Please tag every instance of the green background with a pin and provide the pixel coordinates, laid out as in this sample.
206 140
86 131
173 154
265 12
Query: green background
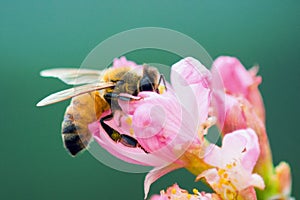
35 35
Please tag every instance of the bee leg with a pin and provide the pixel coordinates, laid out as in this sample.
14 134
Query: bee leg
119 116
111 96
126 140
129 141
113 134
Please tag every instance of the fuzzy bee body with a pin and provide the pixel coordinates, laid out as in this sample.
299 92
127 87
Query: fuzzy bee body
88 104
83 110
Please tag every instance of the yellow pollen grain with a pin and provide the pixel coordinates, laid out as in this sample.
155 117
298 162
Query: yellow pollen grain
129 121
225 175
195 191
229 166
161 89
131 131
221 172
223 181
173 191
115 136
230 194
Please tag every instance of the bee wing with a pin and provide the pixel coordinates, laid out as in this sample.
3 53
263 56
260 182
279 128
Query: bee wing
72 92
74 76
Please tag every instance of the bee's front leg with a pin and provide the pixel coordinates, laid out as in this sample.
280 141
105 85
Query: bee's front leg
111 96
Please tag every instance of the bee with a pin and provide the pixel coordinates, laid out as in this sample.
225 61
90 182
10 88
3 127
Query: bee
100 92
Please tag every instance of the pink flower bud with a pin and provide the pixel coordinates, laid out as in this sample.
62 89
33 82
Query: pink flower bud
239 82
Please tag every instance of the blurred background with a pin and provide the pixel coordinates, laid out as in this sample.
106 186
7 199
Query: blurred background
35 35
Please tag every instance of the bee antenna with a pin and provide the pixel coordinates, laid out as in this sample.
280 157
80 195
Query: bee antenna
162 79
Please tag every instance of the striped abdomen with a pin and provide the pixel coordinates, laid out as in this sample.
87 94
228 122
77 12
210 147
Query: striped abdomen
83 110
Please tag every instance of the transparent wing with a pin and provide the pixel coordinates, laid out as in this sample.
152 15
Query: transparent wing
72 92
74 76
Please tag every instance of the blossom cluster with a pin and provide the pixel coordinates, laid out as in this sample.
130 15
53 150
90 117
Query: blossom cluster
172 126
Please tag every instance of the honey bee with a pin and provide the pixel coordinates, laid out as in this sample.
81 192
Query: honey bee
100 92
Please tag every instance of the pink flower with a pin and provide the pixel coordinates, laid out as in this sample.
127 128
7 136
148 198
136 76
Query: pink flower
175 193
123 62
233 164
238 106
165 125
239 82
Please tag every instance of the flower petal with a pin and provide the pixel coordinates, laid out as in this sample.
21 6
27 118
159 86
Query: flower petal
247 194
161 125
236 78
252 152
190 80
127 154
283 173
156 173
257 181
123 62
210 175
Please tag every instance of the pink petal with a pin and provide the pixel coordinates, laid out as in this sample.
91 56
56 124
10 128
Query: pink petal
159 197
123 62
235 77
155 174
252 152
191 71
237 81
214 155
210 175
247 194
234 143
257 181
229 112
127 154
161 124
190 80
155 121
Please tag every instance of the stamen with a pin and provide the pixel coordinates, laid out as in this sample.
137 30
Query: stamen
195 191
173 191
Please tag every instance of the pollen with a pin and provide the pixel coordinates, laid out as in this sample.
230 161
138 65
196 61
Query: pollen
226 189
195 191
189 196
225 175
161 89
221 172
129 121
115 136
173 191
131 131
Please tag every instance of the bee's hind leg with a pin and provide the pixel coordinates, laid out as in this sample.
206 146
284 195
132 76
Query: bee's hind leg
124 139
113 134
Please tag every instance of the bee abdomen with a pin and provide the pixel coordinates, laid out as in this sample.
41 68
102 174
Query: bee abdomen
73 143
72 140
82 111
69 129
